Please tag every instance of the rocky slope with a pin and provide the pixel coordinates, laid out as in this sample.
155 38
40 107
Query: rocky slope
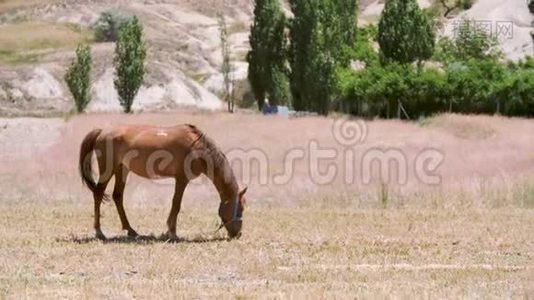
509 21
184 53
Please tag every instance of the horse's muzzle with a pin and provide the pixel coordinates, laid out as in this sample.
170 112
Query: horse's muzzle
234 235
234 232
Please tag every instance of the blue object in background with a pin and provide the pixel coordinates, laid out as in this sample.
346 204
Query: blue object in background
275 110
283 111
266 109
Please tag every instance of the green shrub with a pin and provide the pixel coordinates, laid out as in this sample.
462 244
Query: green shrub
517 93
467 43
473 87
473 80
109 24
427 93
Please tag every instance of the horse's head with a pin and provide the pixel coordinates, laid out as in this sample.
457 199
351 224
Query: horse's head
231 213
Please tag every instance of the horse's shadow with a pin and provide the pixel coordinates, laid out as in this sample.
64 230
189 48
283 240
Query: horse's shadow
142 239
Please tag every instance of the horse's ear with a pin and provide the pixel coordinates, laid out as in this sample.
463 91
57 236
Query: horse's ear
243 192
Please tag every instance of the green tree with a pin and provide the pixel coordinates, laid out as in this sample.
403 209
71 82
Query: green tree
78 77
267 71
279 91
301 32
319 38
130 54
339 20
347 12
320 73
405 32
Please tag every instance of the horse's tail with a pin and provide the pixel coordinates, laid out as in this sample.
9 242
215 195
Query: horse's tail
86 150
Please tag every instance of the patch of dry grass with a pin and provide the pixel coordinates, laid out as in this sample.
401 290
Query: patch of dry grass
465 128
24 42
8 5
48 251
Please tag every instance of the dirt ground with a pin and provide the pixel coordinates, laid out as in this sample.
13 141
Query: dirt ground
469 235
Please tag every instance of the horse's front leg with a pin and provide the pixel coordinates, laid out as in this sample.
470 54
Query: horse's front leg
175 209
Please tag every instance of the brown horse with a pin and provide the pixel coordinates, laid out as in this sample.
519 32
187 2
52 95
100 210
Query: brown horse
182 152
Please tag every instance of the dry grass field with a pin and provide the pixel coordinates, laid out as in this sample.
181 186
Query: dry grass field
470 236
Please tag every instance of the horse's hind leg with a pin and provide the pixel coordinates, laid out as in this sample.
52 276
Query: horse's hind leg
99 192
121 173
98 195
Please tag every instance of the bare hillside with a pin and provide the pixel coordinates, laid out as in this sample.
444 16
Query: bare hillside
508 21
183 39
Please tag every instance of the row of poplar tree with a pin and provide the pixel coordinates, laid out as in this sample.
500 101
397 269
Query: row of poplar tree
129 60
292 61
305 62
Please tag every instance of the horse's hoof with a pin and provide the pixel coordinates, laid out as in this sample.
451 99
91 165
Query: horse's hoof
132 233
101 236
172 237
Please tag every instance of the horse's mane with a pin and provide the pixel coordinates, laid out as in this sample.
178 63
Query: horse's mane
199 134
206 144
